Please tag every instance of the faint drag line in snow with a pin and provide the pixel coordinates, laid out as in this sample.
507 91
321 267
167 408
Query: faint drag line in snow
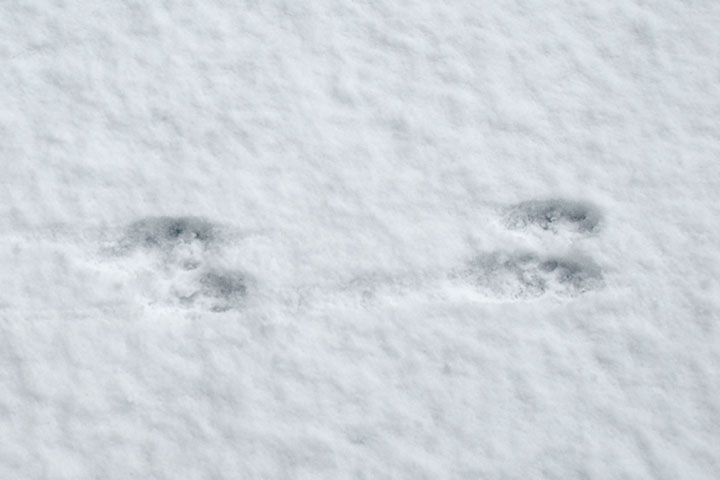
46 48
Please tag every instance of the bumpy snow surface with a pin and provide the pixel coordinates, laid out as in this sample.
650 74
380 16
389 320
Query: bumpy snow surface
360 239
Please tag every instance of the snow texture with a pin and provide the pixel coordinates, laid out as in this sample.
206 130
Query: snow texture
359 239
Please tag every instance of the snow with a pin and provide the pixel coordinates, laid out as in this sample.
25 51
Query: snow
368 239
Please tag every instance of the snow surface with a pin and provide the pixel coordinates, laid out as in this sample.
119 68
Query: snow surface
359 239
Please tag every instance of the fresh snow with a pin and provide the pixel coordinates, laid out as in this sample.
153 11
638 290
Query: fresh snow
360 239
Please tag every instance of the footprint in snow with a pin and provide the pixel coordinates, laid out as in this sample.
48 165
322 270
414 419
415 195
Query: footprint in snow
179 254
527 275
554 215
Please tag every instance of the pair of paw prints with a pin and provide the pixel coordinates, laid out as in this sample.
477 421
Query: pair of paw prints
179 258
526 274
179 263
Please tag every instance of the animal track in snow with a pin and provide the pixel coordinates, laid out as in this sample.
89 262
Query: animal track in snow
216 290
523 275
167 232
178 260
224 289
527 275
178 256
553 215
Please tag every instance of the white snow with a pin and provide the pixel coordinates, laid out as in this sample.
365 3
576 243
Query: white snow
359 239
